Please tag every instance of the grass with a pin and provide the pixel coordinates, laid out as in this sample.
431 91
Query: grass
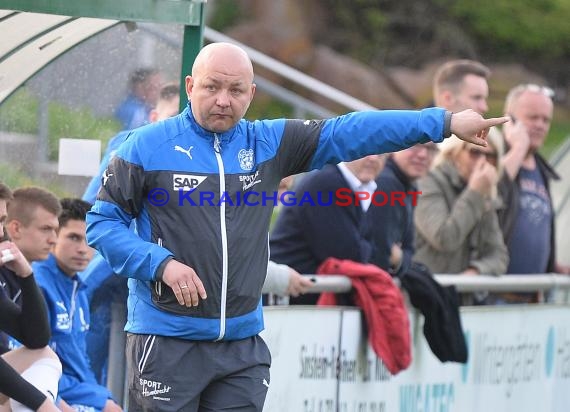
19 113
15 178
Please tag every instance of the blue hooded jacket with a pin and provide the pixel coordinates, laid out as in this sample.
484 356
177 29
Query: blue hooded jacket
68 312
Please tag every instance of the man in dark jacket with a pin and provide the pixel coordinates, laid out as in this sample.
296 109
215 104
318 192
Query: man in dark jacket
68 311
393 224
307 233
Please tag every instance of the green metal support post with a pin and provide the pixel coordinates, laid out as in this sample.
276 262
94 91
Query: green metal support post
192 43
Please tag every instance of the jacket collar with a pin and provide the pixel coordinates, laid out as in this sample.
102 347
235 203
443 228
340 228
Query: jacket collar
448 169
400 175
546 168
52 262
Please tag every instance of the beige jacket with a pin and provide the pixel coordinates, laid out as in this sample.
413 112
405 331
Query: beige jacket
456 228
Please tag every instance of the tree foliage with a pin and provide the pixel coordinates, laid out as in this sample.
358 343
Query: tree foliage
355 28
537 27
411 32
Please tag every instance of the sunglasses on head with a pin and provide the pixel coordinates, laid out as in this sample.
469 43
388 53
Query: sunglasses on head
535 88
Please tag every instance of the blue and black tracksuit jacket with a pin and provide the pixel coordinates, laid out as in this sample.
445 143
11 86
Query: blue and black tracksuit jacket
205 199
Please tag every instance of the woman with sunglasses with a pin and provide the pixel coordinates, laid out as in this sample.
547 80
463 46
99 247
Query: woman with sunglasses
457 230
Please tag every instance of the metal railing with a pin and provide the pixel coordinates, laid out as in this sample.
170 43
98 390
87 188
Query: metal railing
467 284
291 74
506 283
479 283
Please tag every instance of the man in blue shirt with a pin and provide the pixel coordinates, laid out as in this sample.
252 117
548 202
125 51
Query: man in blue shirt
68 311
167 106
528 218
144 88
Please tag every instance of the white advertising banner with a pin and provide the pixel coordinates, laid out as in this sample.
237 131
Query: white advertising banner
79 157
519 360
304 350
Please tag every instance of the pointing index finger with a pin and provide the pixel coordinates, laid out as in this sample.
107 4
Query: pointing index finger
495 121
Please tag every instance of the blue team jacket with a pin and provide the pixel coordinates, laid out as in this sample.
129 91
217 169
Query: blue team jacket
94 185
68 310
206 199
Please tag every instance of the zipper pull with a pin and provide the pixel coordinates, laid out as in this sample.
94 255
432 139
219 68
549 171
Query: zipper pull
158 285
217 147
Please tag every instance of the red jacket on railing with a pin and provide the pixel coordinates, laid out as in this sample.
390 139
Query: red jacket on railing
383 307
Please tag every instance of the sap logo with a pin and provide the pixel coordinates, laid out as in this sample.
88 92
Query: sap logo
186 183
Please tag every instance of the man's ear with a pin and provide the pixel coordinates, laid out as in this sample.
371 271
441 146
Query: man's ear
13 229
447 98
153 116
189 85
253 88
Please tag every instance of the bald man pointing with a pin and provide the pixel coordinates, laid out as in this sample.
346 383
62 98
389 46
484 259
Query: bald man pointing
201 187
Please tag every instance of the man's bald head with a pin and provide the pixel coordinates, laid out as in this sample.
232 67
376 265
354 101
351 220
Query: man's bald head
221 87
222 56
